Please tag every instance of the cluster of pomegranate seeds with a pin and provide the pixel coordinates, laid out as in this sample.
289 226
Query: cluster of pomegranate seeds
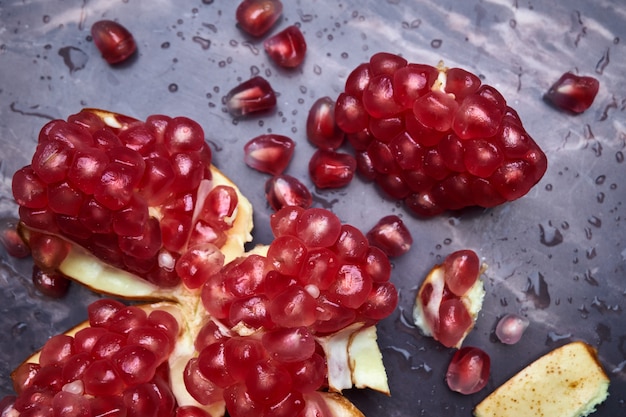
318 273
442 298
468 371
115 366
139 197
252 96
114 41
436 138
269 153
287 48
256 17
286 190
511 328
573 93
391 235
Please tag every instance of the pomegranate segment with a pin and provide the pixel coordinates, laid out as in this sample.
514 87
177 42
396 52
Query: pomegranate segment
287 48
573 93
256 17
127 192
435 137
114 41
449 298
269 153
251 96
468 371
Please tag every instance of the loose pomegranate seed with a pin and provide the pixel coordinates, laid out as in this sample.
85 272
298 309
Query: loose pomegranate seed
11 240
114 41
436 138
252 96
462 269
51 284
256 17
391 235
330 169
269 153
285 190
573 93
321 129
468 371
511 328
287 48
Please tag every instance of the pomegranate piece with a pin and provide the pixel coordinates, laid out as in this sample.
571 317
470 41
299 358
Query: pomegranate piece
256 17
573 93
287 48
435 137
446 315
114 41
321 128
50 283
252 96
511 328
285 190
468 371
126 192
391 235
331 169
269 153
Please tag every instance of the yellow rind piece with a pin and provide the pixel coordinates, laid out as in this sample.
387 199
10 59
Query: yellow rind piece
566 382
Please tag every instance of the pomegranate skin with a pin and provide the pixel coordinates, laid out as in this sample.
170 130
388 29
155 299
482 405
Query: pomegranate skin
114 41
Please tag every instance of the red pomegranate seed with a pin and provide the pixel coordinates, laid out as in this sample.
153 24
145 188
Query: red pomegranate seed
252 96
318 227
461 270
468 371
11 239
51 284
391 235
454 320
287 191
287 48
114 41
573 93
256 17
330 169
511 328
435 138
380 302
269 153
321 129
199 387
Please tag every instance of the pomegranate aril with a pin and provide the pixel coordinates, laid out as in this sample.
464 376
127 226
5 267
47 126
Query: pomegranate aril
293 307
287 48
153 340
380 302
468 371
56 350
51 161
461 83
199 386
479 115
183 135
573 93
377 264
101 311
256 17
287 191
241 354
190 411
510 328
308 375
269 153
135 364
379 97
101 379
28 189
411 82
391 235
319 269
129 220
351 245
156 184
454 321
461 270
350 115
51 284
48 251
198 263
251 96
252 311
321 129
287 254
289 344
212 365
331 169
318 227
114 41
238 402
436 110
268 383
351 287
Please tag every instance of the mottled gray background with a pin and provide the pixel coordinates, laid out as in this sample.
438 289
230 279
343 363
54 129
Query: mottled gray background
557 255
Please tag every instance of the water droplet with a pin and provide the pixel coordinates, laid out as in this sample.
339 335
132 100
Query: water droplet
600 179
18 329
600 197
554 337
46 18
75 59
590 279
254 71
588 233
172 88
207 1
619 157
447 241
549 235
165 45
591 253
584 313
204 43
594 221
210 26
344 55
305 17
317 69
603 62
548 187
513 23
537 290
436 43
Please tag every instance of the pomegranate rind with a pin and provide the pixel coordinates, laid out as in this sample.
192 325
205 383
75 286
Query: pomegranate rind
472 300
340 406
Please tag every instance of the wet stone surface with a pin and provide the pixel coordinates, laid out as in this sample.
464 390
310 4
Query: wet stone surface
556 256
